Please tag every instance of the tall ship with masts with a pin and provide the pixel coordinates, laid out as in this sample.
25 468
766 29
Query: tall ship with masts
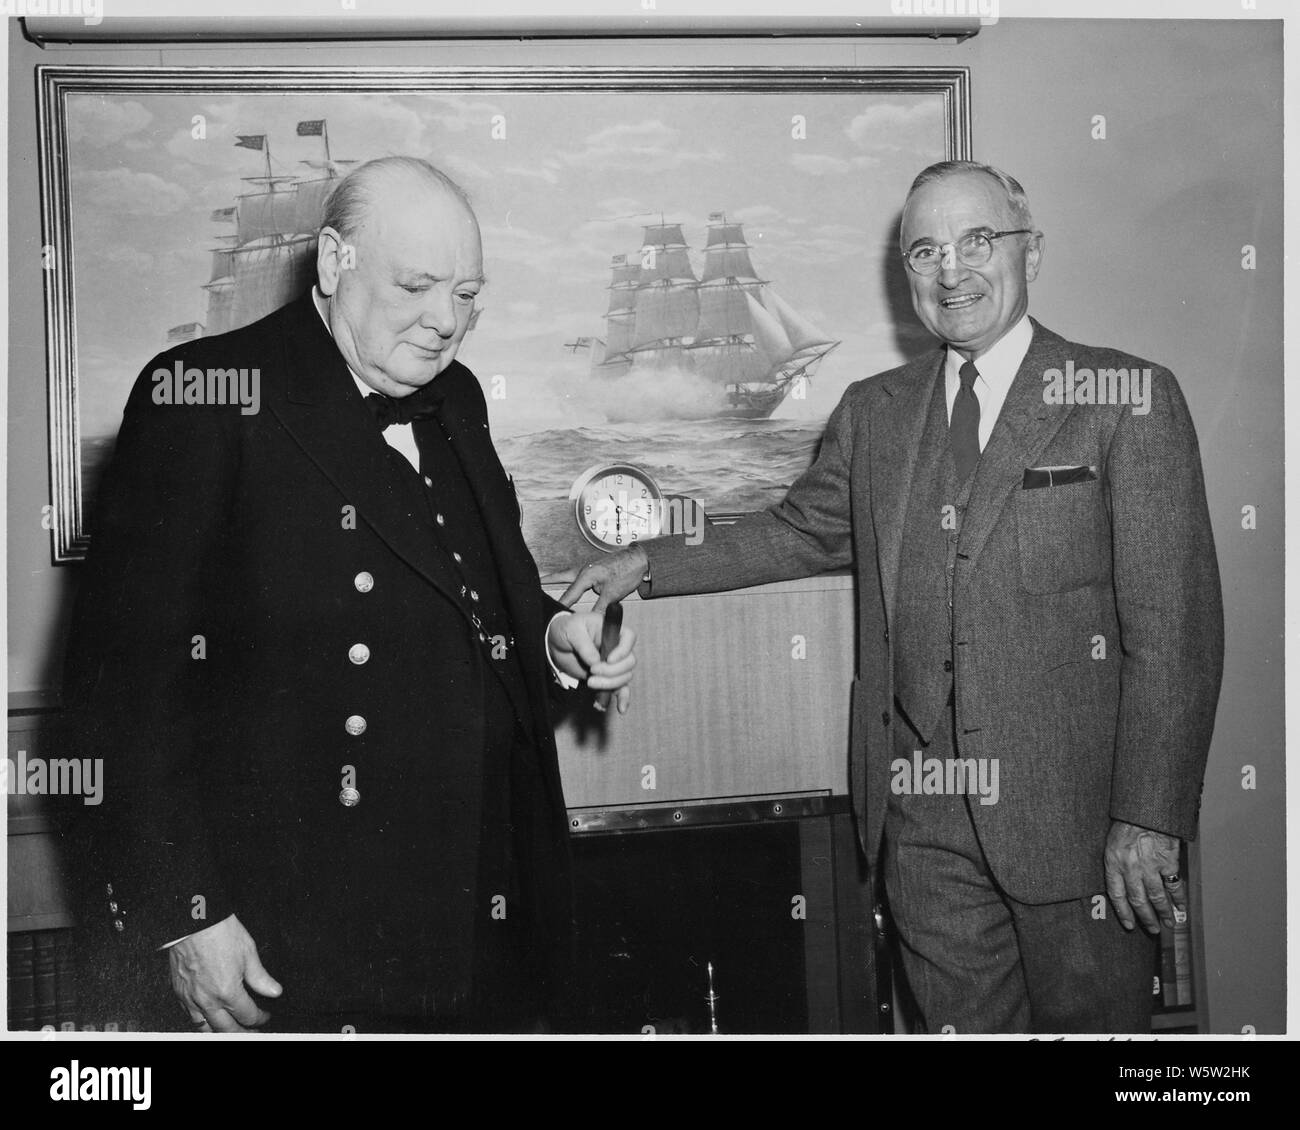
727 328
270 256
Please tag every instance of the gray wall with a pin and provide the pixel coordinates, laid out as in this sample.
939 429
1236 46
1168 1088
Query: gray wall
1144 237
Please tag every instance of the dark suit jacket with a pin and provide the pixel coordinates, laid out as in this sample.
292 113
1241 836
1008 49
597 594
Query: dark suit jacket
209 664
1041 573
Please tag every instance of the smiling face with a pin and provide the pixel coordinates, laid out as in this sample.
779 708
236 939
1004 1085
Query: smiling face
398 314
969 308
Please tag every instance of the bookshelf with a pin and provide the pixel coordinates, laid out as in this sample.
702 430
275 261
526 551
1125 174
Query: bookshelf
39 953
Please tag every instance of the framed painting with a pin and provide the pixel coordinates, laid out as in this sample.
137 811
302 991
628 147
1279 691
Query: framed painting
685 266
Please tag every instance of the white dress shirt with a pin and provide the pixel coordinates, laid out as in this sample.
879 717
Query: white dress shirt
997 369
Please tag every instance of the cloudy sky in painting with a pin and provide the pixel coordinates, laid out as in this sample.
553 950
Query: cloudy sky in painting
571 184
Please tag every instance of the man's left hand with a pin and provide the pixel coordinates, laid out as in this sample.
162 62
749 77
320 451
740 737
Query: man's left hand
1137 862
574 646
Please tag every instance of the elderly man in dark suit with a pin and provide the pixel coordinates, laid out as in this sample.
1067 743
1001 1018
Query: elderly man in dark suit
1039 612
313 649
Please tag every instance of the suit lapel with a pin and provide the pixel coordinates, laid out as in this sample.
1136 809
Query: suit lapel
322 410
895 441
1024 428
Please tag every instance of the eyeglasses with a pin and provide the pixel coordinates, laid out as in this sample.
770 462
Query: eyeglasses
974 250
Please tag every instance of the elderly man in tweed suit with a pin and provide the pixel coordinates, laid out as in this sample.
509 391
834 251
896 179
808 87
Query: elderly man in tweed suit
1037 591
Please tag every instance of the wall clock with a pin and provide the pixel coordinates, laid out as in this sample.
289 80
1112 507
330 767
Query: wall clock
616 505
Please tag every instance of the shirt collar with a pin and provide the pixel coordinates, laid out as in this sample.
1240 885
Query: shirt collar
318 300
999 366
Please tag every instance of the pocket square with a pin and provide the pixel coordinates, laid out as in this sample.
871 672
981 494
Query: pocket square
1038 477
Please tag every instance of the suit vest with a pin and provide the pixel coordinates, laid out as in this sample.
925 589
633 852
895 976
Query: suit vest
923 647
459 529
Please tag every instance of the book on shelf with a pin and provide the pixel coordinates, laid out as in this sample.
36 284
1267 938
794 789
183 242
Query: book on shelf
22 983
43 978
1169 997
1182 954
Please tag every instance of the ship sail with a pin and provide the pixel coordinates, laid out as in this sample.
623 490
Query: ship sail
309 204
622 290
664 237
728 328
222 264
802 333
724 314
667 307
267 277
187 331
664 311
262 213
726 255
769 334
221 306
619 341
611 356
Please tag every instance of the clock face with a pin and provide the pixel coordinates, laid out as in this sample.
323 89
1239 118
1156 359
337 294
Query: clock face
616 505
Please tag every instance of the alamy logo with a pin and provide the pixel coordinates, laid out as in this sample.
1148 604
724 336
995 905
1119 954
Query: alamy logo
90 11
101 1084
61 776
986 10
949 776
180 385
1099 386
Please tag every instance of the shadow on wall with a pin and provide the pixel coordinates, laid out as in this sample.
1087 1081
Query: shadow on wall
910 337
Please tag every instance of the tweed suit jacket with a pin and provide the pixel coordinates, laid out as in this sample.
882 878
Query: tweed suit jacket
1087 616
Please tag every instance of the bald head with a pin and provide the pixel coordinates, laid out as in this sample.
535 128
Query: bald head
371 185
400 261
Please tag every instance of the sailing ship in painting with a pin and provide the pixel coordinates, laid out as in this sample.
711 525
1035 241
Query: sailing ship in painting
728 331
270 256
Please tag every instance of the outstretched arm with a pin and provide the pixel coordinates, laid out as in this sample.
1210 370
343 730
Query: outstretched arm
808 532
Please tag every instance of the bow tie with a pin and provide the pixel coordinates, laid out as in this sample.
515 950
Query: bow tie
418 405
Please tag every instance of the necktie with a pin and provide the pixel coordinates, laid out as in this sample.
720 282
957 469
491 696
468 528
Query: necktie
964 428
425 401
